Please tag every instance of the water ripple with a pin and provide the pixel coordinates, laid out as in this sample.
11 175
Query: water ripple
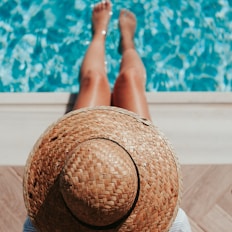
185 45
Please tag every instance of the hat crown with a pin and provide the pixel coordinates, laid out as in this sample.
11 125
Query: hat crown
99 183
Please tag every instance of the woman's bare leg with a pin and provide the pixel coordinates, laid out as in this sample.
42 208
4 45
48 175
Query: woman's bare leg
94 86
129 89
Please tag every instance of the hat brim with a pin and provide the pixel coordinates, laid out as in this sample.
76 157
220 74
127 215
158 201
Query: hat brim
158 168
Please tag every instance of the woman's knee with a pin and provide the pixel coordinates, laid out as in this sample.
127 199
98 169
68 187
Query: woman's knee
93 79
130 77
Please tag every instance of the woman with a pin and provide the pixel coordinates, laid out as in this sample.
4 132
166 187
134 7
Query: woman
128 92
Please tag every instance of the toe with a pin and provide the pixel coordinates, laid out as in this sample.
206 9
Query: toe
107 4
98 6
103 5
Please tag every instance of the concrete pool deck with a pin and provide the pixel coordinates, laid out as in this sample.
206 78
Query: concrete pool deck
198 124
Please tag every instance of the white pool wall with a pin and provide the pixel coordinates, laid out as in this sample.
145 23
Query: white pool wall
198 124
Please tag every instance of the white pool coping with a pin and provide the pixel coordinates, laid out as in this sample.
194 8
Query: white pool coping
199 124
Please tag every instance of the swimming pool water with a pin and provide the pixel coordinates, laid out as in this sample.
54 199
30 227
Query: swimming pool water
184 44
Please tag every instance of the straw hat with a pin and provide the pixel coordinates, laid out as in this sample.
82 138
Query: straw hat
102 169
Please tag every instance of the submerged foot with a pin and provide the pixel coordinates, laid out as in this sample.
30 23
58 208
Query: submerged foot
100 17
127 25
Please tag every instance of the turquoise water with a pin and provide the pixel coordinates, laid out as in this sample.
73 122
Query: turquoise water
185 45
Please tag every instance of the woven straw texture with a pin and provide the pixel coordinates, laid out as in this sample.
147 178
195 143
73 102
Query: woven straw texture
102 169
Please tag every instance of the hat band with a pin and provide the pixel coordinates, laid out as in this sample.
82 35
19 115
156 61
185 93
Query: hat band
122 219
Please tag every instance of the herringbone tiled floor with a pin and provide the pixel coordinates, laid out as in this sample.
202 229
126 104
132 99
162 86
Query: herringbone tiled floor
207 198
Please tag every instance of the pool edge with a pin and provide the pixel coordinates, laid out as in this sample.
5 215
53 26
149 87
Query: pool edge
197 124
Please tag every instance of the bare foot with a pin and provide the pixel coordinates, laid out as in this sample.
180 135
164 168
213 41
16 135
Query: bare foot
100 17
127 25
